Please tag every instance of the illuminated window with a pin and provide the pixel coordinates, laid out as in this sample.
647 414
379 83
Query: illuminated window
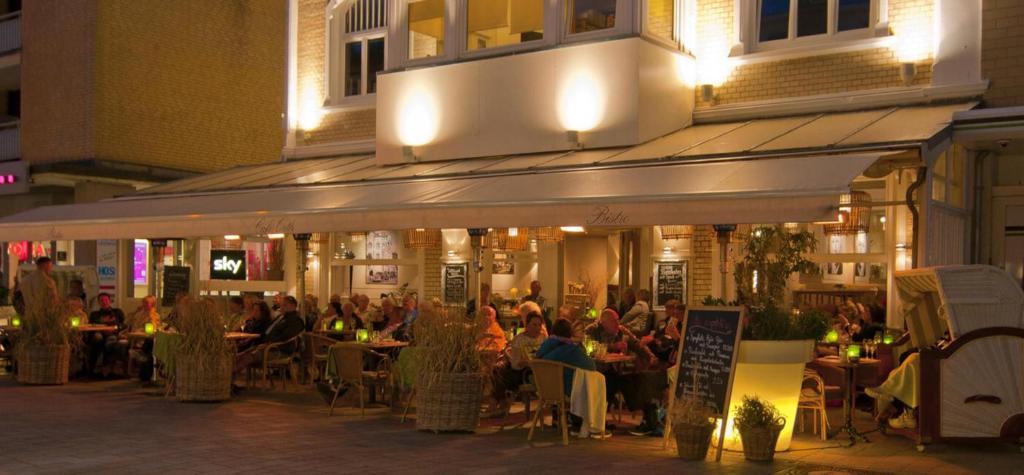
492 23
661 19
779 20
591 15
948 177
426 28
358 46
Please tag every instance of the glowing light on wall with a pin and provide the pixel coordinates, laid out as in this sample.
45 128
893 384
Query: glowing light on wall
311 111
418 119
582 103
913 39
686 70
713 63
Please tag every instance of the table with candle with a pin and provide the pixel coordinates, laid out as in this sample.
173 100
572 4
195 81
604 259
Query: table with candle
852 365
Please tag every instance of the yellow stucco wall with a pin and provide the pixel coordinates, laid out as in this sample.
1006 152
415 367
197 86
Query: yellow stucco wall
194 85
812 75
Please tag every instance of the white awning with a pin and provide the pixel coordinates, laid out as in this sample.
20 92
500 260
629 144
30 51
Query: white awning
753 190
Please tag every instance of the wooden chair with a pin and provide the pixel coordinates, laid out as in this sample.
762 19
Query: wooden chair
315 348
549 377
812 398
274 359
349 361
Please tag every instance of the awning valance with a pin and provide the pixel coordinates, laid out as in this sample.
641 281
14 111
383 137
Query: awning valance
755 190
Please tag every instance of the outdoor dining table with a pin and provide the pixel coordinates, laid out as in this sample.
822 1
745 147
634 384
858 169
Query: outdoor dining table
96 328
849 401
614 358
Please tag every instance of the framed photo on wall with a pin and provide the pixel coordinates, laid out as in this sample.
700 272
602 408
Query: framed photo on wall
381 245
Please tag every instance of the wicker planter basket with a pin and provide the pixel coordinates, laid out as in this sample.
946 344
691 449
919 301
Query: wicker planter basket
692 441
207 383
448 402
759 442
44 364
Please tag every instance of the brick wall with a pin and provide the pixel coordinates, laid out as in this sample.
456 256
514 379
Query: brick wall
660 18
194 84
826 74
1002 51
432 273
57 70
702 270
335 126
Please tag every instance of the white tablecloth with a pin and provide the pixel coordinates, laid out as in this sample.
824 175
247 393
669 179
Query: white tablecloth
587 401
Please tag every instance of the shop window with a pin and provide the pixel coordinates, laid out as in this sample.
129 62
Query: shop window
661 19
591 15
948 177
784 21
494 23
426 28
359 28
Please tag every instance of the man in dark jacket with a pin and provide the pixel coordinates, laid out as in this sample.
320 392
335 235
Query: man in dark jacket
287 326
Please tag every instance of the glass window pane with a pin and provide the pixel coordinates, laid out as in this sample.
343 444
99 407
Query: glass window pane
853 14
591 15
811 17
661 18
426 28
374 63
939 178
956 176
774 20
493 23
353 68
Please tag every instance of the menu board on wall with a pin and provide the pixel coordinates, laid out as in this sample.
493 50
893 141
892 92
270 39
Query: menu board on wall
176 279
455 276
670 282
706 359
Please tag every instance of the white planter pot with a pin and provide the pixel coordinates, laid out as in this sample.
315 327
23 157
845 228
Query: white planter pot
773 371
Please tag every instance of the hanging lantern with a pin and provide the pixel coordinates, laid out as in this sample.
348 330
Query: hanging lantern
357 233
853 216
670 233
421 238
509 239
550 234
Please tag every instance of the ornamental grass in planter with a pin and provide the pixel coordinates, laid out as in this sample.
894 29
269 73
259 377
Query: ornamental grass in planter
204 358
43 347
449 385
693 424
759 424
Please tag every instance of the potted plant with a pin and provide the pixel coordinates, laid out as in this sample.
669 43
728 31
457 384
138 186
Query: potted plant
204 358
759 424
449 386
776 344
43 347
693 424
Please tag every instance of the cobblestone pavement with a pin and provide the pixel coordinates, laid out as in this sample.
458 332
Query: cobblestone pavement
115 427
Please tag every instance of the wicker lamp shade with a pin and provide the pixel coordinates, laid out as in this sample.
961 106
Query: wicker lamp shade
422 238
550 234
509 239
676 232
357 233
854 214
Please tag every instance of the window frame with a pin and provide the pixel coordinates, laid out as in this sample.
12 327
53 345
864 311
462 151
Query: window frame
625 23
678 16
462 28
751 28
335 63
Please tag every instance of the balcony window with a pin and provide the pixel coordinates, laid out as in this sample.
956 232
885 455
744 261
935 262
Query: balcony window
494 23
591 15
426 28
357 50
786 21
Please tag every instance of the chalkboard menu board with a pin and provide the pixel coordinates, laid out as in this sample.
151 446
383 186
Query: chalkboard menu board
176 279
710 343
670 283
455 283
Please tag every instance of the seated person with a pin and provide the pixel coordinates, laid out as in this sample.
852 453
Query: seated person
494 337
511 370
560 347
146 313
105 343
639 317
608 332
236 311
259 318
897 395
528 308
284 328
346 314
572 315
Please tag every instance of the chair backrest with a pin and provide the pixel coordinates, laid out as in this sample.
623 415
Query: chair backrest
348 359
549 376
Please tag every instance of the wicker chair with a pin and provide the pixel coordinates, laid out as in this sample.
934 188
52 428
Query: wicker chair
812 398
275 360
315 349
349 361
549 377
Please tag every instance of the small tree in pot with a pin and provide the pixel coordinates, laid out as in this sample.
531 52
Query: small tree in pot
759 424
43 345
450 381
204 357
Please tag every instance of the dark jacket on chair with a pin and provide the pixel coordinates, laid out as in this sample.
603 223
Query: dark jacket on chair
286 327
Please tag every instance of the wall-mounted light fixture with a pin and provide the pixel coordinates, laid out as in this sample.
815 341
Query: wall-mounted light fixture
575 139
908 70
707 92
409 154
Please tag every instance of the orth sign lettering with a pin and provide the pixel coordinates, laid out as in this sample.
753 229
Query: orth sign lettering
227 265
